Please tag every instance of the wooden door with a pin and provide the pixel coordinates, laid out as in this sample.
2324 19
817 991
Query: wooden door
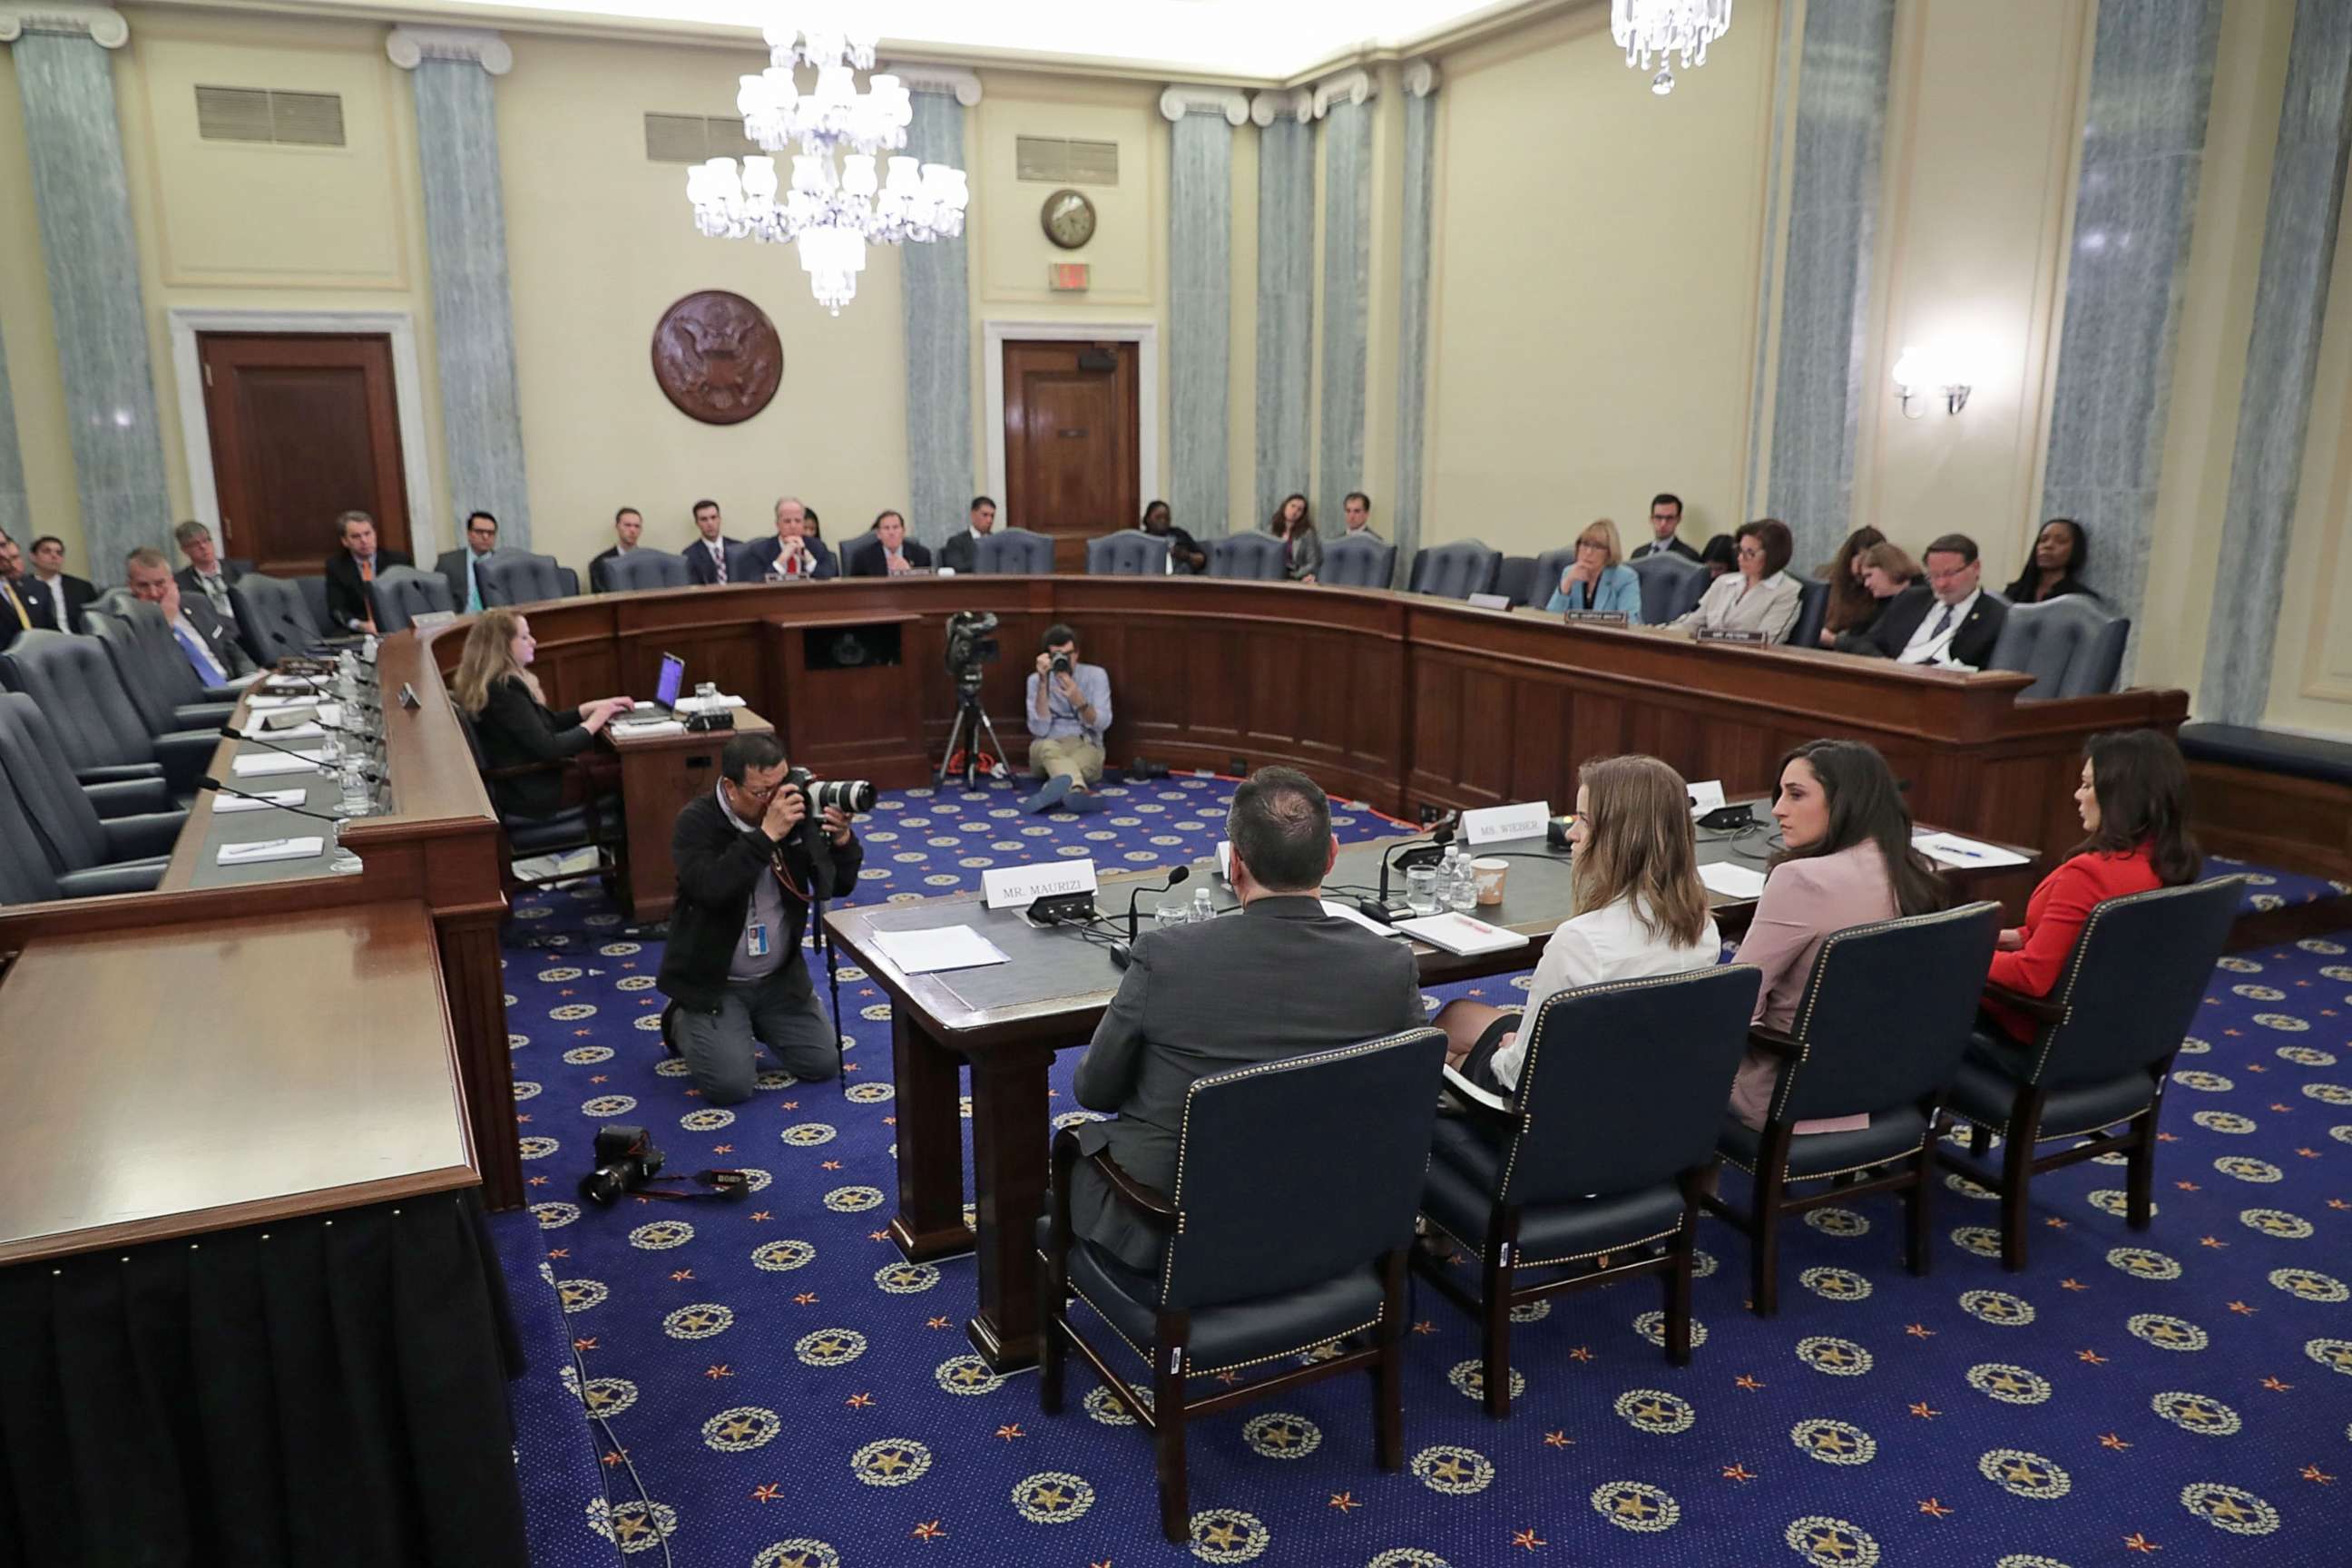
304 428
1072 423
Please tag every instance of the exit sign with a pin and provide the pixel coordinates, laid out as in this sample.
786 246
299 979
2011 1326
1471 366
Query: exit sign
1067 277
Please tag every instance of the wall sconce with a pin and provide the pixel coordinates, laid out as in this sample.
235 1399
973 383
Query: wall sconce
1919 375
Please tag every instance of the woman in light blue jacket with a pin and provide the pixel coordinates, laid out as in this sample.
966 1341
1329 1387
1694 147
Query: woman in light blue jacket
1598 579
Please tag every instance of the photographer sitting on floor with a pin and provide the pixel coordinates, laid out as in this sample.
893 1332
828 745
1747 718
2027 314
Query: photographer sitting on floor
748 870
1068 710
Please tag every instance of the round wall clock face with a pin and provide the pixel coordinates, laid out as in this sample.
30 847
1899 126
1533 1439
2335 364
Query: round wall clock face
1069 219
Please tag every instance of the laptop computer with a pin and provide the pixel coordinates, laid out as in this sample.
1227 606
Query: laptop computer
667 689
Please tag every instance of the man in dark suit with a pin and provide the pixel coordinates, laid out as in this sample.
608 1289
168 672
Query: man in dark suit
205 641
628 527
457 566
792 556
1665 517
1358 508
208 577
66 593
1279 979
887 551
962 553
351 570
712 557
1948 621
21 610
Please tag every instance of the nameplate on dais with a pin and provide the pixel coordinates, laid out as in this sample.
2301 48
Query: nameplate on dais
1494 824
1018 887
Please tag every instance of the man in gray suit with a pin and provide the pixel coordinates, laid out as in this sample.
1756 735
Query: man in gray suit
1279 979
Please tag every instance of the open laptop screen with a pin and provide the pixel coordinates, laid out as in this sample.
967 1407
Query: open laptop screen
673 679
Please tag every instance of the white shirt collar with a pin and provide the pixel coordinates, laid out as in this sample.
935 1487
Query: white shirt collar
720 790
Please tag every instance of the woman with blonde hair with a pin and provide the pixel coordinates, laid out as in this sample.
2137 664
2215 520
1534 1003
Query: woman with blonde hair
1640 908
496 689
1598 579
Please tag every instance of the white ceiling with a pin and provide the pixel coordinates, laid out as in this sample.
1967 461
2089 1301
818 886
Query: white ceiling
1264 39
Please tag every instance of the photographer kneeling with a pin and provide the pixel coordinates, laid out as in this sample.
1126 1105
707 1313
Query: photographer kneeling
748 869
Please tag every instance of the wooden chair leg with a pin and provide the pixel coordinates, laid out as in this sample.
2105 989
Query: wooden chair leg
1764 1241
1495 1298
1168 1435
1052 1354
1388 1373
2017 1180
1678 1289
2139 1173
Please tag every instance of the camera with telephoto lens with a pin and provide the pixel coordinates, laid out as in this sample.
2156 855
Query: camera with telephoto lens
626 1161
970 646
851 795
1060 664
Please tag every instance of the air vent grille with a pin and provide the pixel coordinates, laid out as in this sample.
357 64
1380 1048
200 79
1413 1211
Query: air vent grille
1054 161
695 138
264 114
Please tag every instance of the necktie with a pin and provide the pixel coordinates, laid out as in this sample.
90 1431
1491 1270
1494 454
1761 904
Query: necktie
215 589
718 561
367 577
1945 624
207 670
24 616
473 586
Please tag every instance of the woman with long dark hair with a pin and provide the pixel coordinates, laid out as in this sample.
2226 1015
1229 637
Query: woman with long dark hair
1852 608
2133 802
1302 546
1846 860
2062 553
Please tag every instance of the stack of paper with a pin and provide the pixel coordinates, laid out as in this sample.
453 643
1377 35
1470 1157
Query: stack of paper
1460 934
1732 881
939 948
260 764
270 849
261 802
1964 854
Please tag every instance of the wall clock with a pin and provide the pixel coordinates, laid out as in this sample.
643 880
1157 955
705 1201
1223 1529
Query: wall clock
1068 218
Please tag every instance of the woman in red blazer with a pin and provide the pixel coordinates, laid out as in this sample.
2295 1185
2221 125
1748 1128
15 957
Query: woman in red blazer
2134 800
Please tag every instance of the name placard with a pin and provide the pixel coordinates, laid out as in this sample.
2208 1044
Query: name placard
1017 886
1753 638
1490 601
1226 858
1596 617
1705 796
1494 824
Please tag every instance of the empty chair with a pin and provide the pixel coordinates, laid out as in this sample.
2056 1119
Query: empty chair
642 569
1287 1231
1356 563
25 874
74 682
89 853
1253 557
1813 609
1456 571
314 599
1131 554
1515 579
569 579
519 578
162 684
282 624
403 593
2071 646
1012 550
2104 1042
1886 1015
1593 1171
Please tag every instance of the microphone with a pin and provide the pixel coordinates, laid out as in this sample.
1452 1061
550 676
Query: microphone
316 718
210 783
1440 836
1180 874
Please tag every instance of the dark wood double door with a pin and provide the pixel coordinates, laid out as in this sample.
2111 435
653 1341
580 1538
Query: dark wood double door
1072 467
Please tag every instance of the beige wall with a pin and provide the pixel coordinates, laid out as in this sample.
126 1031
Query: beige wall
52 506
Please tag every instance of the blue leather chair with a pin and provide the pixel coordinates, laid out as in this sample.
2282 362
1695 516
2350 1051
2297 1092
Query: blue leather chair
1358 563
1012 552
643 569
279 615
1456 571
1131 553
519 578
99 731
1813 609
2071 646
89 852
404 593
1515 579
313 590
1251 557
1549 565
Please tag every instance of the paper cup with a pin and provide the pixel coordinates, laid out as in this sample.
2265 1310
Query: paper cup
1490 873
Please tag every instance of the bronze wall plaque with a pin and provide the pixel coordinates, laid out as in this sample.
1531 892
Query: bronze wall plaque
717 357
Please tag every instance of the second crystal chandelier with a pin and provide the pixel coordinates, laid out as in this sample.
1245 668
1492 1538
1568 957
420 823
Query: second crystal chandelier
830 213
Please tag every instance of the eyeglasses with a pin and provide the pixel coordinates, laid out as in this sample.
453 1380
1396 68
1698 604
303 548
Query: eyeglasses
1751 552
760 793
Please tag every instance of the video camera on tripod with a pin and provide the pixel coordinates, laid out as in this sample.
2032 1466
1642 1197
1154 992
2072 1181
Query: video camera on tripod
972 643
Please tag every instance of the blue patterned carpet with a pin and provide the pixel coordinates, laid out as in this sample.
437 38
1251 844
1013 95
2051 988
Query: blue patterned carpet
792 1394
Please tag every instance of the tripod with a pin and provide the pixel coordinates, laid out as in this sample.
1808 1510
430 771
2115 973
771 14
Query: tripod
972 721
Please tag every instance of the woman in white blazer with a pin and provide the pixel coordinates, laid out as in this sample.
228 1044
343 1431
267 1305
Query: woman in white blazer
1759 597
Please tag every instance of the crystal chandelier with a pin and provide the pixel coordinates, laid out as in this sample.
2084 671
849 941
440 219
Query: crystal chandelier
1649 30
831 213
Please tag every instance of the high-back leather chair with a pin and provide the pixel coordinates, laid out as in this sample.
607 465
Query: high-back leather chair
1130 554
1879 1031
1013 552
25 874
1515 579
279 617
1549 566
2071 646
73 680
2104 1043
1456 571
1251 557
594 823
1358 563
1813 609
404 593
161 682
643 569
89 854
313 590
1286 1230
1604 1149
519 578
569 579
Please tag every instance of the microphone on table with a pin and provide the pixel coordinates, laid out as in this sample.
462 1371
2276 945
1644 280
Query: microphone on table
1180 874
210 783
234 734
1440 836
320 721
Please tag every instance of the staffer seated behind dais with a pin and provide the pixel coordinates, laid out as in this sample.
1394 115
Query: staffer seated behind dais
1280 979
1641 911
750 865
1761 596
1949 621
1847 860
495 688
205 641
1596 580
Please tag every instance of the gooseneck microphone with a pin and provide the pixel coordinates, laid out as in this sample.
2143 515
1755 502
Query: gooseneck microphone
1180 874
210 783
1440 836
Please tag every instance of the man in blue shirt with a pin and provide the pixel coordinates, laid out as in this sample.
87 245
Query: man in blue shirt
1068 711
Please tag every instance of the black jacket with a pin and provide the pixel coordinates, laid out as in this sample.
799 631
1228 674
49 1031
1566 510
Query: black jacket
239 611
705 573
36 616
1971 643
348 604
77 592
517 730
1182 548
718 866
1676 546
864 558
219 638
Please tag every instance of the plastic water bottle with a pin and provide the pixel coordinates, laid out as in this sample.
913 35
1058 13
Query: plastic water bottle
1204 907
1455 889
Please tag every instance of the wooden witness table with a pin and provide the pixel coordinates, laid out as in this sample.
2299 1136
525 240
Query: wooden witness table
659 773
1006 1022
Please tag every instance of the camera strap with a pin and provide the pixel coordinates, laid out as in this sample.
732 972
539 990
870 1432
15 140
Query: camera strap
727 1184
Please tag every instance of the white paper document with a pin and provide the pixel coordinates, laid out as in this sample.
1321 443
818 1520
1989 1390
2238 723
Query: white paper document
261 802
1460 934
1964 854
643 729
939 948
270 849
305 731
1732 881
266 704
1333 906
261 765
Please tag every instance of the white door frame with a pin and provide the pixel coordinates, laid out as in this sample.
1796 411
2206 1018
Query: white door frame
408 395
1145 335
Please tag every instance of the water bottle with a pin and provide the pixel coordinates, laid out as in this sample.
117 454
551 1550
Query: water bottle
1462 888
1204 907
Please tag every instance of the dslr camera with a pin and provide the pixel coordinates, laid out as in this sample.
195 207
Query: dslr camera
851 795
1061 664
626 1161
